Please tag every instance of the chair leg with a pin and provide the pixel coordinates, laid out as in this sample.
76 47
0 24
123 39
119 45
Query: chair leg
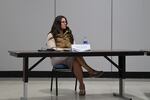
51 81
56 86
76 85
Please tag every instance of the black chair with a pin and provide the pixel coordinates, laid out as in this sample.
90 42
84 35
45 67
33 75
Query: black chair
58 69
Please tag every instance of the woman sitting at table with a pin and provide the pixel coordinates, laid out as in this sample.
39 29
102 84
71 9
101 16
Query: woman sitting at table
61 36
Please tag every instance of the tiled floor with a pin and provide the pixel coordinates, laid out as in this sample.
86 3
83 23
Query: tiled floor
96 89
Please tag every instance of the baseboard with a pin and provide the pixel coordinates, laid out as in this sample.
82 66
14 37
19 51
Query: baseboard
13 74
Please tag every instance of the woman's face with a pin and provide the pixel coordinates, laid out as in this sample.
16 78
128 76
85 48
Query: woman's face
63 24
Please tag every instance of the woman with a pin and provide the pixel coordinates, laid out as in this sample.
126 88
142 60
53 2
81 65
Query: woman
61 37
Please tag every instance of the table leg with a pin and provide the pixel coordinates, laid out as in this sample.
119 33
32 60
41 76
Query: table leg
121 90
122 65
25 78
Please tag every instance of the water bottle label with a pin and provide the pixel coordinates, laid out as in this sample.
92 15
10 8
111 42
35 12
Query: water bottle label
85 42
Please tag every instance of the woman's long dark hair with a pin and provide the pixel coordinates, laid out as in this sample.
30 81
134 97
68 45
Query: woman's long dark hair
56 27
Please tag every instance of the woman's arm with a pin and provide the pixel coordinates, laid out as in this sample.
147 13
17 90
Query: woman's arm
50 41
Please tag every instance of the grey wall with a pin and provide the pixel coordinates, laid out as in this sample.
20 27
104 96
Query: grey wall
131 30
24 25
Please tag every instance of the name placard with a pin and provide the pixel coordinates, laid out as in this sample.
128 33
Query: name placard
80 47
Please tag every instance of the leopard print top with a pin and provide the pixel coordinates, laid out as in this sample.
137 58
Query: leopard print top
64 40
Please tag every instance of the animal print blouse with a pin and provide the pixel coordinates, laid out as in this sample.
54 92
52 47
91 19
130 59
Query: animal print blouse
62 40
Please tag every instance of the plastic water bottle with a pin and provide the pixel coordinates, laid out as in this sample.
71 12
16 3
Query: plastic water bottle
85 41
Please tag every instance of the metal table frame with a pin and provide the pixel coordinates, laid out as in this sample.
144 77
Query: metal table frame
121 66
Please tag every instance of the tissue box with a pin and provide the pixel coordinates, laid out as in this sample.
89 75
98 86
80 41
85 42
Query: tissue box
80 47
